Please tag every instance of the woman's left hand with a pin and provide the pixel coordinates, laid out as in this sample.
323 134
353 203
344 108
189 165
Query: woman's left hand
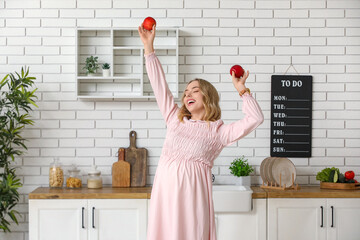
239 83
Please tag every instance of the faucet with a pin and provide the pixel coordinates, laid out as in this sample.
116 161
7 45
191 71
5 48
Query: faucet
213 177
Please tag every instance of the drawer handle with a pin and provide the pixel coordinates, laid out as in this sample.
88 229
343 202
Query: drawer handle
82 217
332 216
322 216
93 216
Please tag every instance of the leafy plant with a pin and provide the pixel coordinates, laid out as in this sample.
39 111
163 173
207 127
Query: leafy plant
324 175
240 167
15 103
91 64
106 66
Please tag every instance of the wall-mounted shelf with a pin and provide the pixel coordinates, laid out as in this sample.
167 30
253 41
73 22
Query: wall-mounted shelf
123 50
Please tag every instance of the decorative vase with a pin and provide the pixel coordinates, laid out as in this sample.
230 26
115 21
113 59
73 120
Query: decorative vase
243 181
106 72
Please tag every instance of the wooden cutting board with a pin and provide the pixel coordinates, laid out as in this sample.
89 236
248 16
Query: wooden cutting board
121 171
137 157
341 186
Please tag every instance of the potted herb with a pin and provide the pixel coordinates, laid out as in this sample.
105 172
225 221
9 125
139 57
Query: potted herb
106 70
16 99
91 65
241 169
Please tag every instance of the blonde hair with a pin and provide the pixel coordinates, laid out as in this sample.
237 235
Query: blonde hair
211 102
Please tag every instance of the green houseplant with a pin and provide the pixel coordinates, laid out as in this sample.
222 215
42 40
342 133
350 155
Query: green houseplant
106 70
241 169
91 65
16 99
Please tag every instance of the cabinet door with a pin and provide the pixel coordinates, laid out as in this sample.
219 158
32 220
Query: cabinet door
343 218
244 226
296 219
57 219
124 219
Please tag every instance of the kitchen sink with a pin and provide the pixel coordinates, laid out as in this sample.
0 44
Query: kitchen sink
232 198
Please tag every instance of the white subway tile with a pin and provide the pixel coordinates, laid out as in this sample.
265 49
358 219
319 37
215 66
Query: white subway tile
23 4
201 4
275 23
63 133
41 50
59 59
327 68
129 115
58 152
94 4
291 32
291 14
95 133
23 171
60 22
236 4
182 13
48 87
308 41
219 13
272 59
130 4
59 96
23 22
272 4
58 4
352 105
220 31
249 13
238 59
326 161
352 32
256 50
309 59
44 13
93 114
202 60
343 115
236 22
42 32
143 13
77 13
350 59
77 124
311 23
291 50
58 115
343 41
75 142
327 50
341 133
93 152
308 4
165 4
191 41
341 152
12 13
201 22
24 59
94 23
111 142
273 41
352 143
42 143
41 124
112 124
343 4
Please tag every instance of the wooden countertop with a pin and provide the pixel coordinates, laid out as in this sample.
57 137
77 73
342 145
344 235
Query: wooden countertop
107 192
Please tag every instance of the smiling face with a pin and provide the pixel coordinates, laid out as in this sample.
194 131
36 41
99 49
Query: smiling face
193 99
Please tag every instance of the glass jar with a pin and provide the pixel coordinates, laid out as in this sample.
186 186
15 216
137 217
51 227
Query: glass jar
74 179
56 174
94 179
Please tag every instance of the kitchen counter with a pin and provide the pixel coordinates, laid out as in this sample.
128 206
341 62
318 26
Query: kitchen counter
107 192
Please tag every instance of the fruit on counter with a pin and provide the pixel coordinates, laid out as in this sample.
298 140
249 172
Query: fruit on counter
239 71
349 175
148 23
341 178
334 176
324 175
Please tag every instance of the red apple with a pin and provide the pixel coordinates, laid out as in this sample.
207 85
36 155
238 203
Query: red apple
148 23
349 175
239 71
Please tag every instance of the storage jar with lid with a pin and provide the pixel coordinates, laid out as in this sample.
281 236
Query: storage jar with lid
94 178
74 178
56 174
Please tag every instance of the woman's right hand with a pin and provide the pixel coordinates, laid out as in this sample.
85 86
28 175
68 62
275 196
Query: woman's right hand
147 37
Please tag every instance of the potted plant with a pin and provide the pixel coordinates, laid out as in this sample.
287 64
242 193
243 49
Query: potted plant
106 70
16 99
91 65
241 169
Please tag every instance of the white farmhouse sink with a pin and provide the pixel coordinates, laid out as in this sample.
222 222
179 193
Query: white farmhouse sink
232 198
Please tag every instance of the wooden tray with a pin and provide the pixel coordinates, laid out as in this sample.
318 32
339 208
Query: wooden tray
341 186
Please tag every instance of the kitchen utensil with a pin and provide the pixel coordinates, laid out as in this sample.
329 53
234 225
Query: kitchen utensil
137 157
286 168
121 171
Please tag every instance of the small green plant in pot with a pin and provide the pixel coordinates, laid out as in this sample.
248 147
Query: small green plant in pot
106 70
91 65
241 169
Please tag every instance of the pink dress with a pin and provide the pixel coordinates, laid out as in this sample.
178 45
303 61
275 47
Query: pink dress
181 205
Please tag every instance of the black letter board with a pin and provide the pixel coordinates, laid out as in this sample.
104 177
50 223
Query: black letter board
291 115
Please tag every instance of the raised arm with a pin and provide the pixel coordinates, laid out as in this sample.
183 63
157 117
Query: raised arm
230 133
163 95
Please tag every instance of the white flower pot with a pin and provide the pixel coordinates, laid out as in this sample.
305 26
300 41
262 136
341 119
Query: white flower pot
243 181
106 72
91 74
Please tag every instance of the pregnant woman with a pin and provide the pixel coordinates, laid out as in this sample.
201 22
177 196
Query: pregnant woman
181 206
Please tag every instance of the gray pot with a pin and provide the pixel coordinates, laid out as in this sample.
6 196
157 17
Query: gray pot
243 181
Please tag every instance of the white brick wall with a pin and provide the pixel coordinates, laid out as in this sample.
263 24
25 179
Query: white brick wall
321 38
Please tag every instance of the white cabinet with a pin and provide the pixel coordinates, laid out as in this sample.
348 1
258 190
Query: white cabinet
124 51
92 219
313 218
343 219
245 226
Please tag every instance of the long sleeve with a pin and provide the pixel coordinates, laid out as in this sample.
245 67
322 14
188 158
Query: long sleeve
163 95
230 133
